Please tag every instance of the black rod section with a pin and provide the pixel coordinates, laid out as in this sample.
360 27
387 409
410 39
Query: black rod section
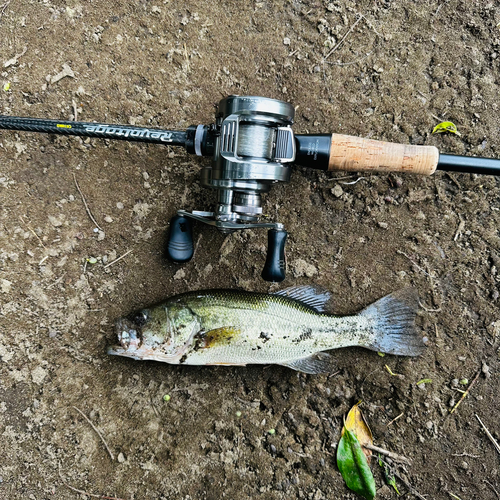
313 150
468 164
101 130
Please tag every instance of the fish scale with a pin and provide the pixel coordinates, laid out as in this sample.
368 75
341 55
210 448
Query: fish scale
290 328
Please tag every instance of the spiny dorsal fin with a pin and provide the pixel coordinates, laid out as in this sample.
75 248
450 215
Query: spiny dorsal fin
314 296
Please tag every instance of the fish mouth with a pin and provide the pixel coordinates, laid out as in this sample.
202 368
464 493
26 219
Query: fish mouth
129 338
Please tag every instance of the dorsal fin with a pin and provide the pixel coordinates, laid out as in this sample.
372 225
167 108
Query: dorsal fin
314 296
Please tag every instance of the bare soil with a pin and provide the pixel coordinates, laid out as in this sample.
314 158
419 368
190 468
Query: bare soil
405 66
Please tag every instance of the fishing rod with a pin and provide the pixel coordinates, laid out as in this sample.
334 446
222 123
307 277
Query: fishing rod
252 147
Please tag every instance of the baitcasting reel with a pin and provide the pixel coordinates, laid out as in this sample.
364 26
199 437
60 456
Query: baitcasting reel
252 146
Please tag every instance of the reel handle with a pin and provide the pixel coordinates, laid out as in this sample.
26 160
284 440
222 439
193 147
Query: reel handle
275 267
180 239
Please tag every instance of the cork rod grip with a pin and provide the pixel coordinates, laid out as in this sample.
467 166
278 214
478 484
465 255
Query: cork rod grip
356 154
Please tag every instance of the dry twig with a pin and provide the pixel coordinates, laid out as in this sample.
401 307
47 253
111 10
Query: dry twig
3 7
85 203
395 419
361 16
85 492
116 260
493 488
400 252
490 437
98 433
466 392
387 453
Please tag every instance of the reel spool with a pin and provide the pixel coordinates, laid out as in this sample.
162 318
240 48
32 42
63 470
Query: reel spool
253 146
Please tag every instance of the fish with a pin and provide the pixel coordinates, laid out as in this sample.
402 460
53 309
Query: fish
292 327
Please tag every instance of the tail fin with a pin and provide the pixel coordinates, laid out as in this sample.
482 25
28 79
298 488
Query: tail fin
393 319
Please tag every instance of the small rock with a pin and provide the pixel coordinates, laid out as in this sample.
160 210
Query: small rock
179 274
429 425
66 71
337 191
121 457
464 465
56 221
108 219
145 176
383 225
286 41
5 285
119 205
101 235
303 268
486 370
451 402
38 375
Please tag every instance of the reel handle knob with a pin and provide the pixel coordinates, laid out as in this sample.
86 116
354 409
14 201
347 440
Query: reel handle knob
180 239
274 268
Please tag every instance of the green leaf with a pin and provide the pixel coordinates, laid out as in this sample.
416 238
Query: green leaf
446 127
353 466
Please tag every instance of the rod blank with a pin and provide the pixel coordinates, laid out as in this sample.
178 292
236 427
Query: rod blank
468 164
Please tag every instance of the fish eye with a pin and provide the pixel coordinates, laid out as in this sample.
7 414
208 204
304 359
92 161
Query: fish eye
140 319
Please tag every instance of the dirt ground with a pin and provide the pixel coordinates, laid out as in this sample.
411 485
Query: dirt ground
400 69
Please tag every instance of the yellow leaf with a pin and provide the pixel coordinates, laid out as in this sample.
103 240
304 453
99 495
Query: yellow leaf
446 127
355 423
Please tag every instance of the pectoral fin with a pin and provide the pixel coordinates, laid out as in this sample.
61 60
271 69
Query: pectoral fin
320 362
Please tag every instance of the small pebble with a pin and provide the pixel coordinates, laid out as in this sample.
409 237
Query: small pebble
429 425
108 219
486 370
451 403
101 235
145 176
119 205
286 41
121 457
337 191
383 225
273 449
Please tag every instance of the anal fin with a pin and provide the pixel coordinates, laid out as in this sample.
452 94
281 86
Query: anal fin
320 362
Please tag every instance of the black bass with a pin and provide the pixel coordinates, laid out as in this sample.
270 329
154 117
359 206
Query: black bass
289 328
